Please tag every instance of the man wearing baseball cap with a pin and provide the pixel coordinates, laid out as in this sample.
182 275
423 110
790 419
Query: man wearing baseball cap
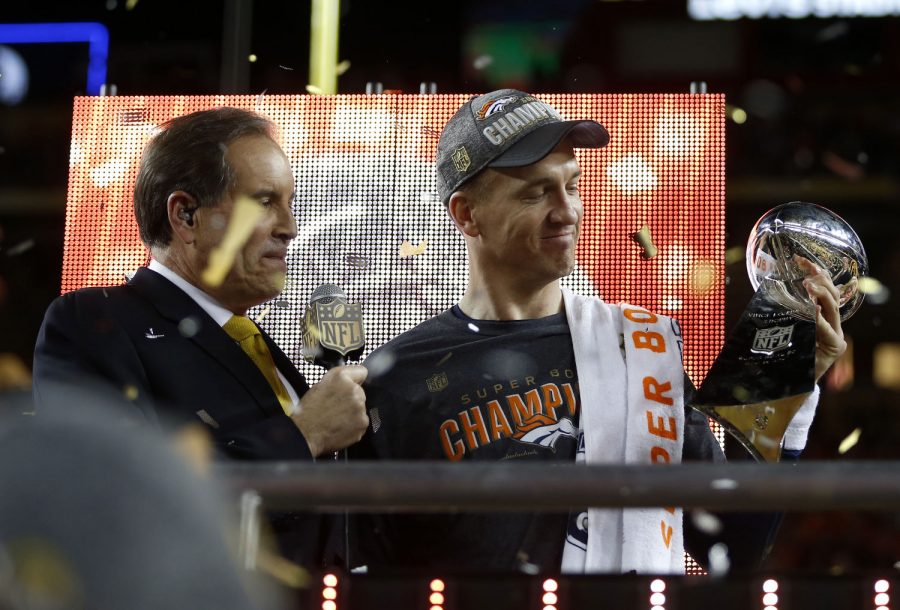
523 369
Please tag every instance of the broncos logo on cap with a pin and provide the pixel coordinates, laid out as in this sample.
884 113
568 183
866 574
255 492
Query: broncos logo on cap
545 431
494 106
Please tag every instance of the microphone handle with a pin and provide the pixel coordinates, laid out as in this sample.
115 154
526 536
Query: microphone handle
346 525
341 456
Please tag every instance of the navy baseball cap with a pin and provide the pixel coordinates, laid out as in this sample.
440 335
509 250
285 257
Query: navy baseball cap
505 128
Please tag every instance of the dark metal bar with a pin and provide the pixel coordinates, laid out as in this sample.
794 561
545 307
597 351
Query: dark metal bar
502 486
237 29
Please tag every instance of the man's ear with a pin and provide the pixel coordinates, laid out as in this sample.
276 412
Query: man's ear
462 213
181 208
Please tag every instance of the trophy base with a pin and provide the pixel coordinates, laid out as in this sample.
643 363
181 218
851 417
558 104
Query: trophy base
758 427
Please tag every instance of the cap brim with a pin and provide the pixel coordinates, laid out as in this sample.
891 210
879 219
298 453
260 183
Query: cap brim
538 144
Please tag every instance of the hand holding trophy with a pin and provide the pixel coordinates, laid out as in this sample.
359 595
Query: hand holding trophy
768 365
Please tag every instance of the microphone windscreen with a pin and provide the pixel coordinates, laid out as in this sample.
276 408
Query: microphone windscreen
326 293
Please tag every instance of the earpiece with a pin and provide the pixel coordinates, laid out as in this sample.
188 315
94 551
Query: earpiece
187 215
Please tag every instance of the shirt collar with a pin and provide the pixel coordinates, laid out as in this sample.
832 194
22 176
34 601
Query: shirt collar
215 309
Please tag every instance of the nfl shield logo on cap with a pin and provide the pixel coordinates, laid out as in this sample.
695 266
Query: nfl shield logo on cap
461 159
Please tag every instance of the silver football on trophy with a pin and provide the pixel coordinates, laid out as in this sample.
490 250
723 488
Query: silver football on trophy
807 230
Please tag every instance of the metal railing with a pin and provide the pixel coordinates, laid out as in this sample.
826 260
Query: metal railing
503 486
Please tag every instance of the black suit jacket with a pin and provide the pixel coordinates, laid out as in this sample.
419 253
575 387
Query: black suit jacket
148 346
150 343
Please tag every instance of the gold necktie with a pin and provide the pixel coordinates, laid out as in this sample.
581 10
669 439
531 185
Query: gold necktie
245 332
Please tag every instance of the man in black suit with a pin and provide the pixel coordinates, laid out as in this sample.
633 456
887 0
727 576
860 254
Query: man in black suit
180 349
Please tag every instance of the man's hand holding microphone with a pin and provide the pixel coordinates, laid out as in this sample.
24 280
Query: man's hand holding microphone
332 414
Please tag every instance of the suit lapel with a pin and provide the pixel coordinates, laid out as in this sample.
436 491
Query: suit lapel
175 305
286 366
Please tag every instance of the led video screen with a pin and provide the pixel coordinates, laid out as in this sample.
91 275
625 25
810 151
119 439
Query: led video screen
370 220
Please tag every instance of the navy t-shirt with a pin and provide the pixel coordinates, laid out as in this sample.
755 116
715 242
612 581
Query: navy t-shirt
459 389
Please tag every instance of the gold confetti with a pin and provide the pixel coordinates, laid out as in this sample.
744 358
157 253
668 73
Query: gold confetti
740 393
263 313
869 285
19 248
130 4
130 392
45 573
645 240
342 67
14 374
244 217
734 255
259 100
738 115
848 443
407 249
283 570
313 89
193 443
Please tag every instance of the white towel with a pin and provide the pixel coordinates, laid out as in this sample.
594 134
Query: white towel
624 420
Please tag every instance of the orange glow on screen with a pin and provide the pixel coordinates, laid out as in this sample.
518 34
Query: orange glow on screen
364 167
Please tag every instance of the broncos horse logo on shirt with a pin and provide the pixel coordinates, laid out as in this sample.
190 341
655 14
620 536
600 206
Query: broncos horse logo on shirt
545 431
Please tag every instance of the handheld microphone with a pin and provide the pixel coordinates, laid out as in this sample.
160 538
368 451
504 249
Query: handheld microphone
333 330
333 333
